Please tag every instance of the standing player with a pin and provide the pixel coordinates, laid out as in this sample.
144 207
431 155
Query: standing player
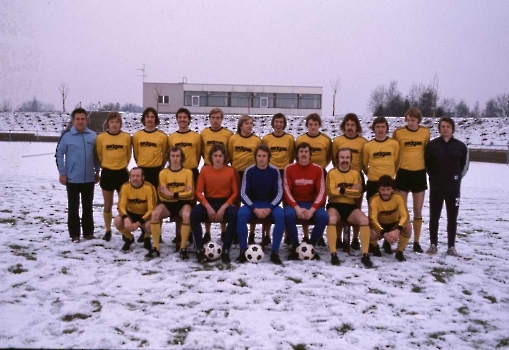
176 192
78 169
344 186
113 149
388 218
352 139
380 156
446 160
411 175
137 199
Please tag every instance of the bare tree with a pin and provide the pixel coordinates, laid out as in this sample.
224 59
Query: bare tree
434 88
335 85
64 91
415 94
377 100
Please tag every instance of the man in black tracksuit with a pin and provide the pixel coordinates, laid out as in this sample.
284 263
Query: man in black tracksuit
446 160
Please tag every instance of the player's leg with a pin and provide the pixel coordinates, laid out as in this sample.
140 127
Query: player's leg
158 214
436 201
332 235
452 205
418 202
107 215
87 217
404 238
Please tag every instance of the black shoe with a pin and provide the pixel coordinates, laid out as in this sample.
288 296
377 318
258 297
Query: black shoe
201 257
107 236
147 244
141 238
339 244
417 248
251 239
356 245
334 260
375 249
75 239
316 256
127 244
206 237
174 240
399 256
274 257
266 240
160 239
242 257
225 258
366 261
293 255
183 254
321 242
154 253
387 247
89 237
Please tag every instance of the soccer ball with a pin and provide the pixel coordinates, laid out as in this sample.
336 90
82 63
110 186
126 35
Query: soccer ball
306 251
213 250
254 253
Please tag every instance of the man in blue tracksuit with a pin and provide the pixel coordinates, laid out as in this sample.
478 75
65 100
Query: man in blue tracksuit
78 168
261 192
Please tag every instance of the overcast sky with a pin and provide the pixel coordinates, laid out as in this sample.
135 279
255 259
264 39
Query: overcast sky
96 47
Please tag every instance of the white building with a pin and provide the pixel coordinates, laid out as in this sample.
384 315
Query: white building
233 99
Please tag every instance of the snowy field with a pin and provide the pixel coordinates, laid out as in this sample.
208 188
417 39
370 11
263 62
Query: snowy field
55 294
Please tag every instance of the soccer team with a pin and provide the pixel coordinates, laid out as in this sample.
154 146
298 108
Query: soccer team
275 180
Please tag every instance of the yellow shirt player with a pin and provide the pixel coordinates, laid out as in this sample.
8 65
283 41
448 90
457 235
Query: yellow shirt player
215 134
281 144
321 144
242 145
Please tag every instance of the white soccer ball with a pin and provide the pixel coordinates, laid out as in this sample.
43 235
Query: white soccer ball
213 250
306 251
254 253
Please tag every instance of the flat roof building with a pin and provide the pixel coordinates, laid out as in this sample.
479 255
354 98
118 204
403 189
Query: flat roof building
233 99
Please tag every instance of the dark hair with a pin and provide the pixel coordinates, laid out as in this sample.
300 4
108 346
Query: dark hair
137 168
218 147
262 147
147 111
216 110
113 115
344 149
78 111
447 120
304 145
380 120
315 117
186 111
276 116
386 181
177 149
414 112
351 117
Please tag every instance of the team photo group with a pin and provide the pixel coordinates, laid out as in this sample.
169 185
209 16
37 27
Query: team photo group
276 181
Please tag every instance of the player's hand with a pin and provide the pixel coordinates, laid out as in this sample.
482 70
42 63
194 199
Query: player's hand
127 224
392 236
299 212
62 179
165 191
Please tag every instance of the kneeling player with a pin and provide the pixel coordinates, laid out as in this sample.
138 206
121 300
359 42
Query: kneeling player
388 218
344 185
176 191
137 199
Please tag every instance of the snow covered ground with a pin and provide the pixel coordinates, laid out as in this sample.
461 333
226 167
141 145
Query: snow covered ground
55 294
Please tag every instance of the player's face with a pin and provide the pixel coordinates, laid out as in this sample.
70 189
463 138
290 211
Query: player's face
217 159
350 129
246 128
136 177
380 130
412 122
215 121
150 120
385 192
262 159
114 126
313 127
175 159
183 120
344 159
279 124
304 156
445 129
80 121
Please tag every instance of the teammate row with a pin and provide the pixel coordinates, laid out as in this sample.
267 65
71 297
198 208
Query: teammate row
263 175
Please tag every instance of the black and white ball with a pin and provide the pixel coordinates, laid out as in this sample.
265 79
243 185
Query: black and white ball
306 251
213 250
254 253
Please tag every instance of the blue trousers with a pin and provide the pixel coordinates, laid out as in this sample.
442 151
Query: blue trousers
320 219
246 214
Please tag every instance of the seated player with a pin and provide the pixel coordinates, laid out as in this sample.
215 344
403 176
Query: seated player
261 192
304 189
388 218
137 199
217 190
176 191
344 186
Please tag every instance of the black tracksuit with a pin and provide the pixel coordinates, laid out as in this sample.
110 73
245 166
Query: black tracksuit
446 164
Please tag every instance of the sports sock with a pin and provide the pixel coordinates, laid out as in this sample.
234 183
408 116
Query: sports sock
107 220
403 241
417 229
332 237
184 235
364 233
126 233
155 228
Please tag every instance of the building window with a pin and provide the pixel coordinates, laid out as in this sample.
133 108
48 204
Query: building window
264 102
195 98
195 101
163 100
287 101
240 99
310 101
257 100
218 99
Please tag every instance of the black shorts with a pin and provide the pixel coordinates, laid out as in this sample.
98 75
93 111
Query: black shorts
134 217
112 180
344 210
196 172
371 189
152 175
175 207
411 181
389 227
